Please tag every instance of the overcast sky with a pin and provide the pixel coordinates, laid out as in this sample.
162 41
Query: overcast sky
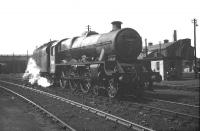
25 24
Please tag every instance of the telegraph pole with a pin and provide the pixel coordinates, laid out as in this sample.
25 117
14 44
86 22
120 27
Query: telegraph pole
195 56
160 47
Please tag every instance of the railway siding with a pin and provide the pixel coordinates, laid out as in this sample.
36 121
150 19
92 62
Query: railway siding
139 114
95 123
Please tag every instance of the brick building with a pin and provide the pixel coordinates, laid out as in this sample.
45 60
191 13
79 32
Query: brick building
13 63
176 57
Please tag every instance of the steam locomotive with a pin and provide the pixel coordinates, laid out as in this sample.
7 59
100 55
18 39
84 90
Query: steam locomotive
94 62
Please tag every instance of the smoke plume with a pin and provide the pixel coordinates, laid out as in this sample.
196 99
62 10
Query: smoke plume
32 73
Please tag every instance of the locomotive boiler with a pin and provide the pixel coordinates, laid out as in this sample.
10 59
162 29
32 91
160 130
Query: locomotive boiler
125 44
94 62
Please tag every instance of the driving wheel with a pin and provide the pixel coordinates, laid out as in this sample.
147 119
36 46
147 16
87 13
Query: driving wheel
73 85
62 81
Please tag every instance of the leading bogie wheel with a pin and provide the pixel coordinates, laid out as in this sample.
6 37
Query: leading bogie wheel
85 86
112 88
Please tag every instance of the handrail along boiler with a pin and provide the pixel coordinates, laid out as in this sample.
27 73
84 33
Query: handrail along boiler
93 61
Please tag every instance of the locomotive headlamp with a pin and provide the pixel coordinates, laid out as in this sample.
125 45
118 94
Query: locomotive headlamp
124 78
133 68
112 58
120 78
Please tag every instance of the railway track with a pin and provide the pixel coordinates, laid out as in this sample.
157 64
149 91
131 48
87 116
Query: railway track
162 110
172 102
147 98
152 99
103 114
168 114
50 115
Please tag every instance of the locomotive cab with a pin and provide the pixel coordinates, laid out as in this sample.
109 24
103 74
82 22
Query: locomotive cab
53 56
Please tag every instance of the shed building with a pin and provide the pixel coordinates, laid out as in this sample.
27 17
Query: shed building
176 57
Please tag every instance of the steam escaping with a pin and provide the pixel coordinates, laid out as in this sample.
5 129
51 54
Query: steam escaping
32 73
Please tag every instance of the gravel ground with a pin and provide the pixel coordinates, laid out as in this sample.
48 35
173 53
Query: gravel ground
17 115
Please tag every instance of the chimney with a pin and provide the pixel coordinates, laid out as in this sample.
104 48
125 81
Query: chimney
150 44
116 25
175 35
146 50
166 41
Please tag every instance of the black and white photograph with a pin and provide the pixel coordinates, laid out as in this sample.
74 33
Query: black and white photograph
99 65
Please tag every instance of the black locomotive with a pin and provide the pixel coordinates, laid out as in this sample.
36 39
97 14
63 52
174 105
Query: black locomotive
97 61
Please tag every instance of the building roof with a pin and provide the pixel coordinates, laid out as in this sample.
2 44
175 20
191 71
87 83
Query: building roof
159 46
2 64
4 58
181 48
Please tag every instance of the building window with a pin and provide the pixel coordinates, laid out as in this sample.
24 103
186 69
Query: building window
158 66
187 67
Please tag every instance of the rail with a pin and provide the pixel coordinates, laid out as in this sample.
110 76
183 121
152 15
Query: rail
42 109
178 103
92 110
